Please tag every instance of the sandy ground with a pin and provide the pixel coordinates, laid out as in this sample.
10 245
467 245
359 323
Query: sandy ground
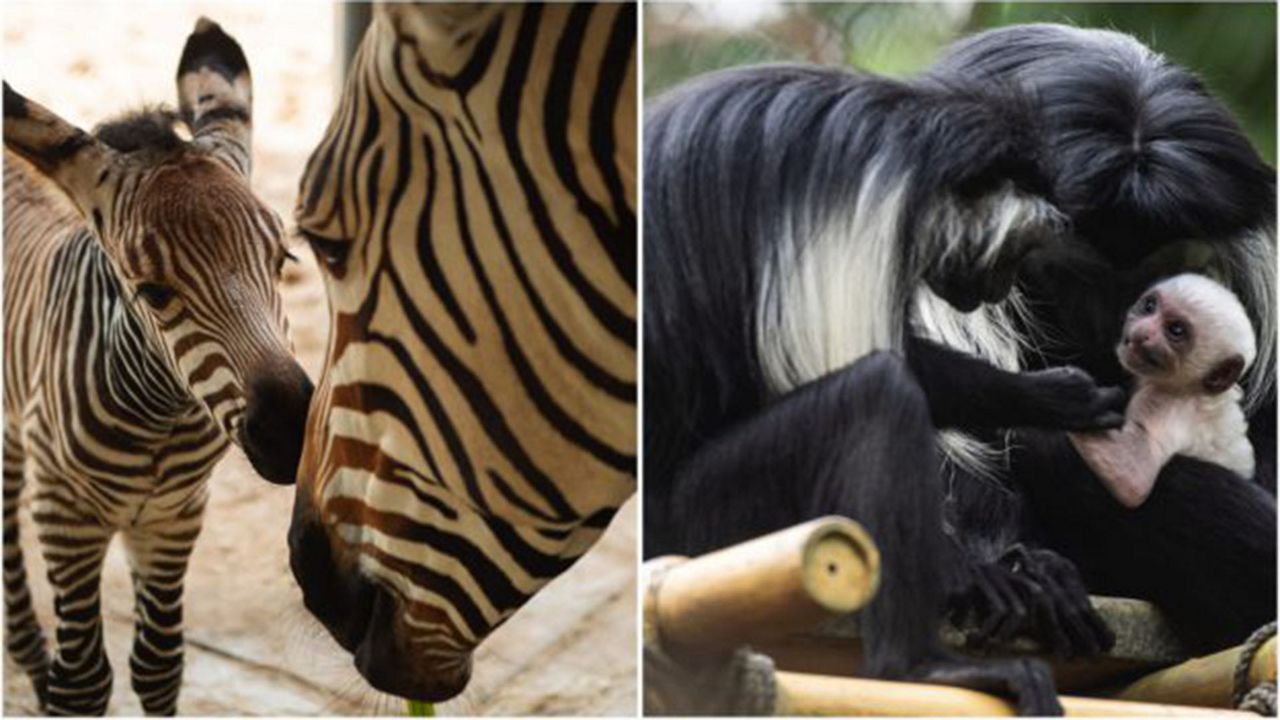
252 648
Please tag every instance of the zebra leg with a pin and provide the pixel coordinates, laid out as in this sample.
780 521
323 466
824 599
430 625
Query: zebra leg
158 558
23 637
74 544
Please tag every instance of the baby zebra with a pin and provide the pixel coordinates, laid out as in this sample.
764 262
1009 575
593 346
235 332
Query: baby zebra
143 329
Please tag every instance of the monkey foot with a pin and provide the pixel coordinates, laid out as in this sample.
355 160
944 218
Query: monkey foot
1033 593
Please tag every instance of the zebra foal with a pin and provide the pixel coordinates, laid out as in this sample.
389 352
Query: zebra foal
143 332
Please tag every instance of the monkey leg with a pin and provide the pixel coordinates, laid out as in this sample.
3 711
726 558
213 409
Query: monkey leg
1202 547
858 443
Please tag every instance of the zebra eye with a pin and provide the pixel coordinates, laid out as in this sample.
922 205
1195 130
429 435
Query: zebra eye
156 295
284 257
331 253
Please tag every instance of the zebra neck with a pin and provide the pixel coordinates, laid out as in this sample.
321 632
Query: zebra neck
138 371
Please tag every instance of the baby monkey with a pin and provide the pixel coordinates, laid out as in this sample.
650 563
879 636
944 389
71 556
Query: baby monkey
1187 341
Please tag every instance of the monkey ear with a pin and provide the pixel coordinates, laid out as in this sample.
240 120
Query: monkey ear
215 94
1224 375
62 152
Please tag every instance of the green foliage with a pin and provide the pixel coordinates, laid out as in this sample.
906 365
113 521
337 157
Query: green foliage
1232 46
417 708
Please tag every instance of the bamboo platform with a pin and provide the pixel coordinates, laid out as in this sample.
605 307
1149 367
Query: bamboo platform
793 595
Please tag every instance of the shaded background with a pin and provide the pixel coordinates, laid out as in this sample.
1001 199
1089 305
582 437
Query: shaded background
1232 46
252 649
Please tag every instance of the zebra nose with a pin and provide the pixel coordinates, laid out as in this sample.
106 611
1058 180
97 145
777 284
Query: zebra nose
274 422
387 658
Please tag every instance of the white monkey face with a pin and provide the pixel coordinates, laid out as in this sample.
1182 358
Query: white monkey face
1187 333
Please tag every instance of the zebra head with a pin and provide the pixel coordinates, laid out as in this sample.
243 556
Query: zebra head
196 253
471 206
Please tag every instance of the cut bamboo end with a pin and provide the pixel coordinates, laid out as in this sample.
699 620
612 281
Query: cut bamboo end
841 567
1208 681
803 694
765 588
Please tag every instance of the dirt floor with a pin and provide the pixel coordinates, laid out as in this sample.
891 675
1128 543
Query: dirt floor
252 648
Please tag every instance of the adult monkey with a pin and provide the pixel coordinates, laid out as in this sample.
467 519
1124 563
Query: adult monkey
797 219
1157 178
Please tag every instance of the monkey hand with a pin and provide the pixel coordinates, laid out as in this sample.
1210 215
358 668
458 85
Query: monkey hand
1026 680
1067 398
1032 593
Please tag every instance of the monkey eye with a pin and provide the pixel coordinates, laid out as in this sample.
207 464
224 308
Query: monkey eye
1149 304
1177 330
156 295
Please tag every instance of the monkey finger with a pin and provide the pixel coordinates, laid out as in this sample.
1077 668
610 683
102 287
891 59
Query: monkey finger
1112 398
1102 638
1108 421
1022 599
994 608
1001 626
1049 625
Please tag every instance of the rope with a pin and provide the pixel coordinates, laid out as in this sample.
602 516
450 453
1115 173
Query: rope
739 684
1261 699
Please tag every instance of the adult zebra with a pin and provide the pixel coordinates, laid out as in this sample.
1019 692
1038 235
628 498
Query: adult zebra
473 430
143 329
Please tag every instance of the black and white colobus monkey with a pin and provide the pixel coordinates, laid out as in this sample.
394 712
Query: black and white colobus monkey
764 407
797 221
1157 179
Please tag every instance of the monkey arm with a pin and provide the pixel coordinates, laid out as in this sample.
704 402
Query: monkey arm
968 393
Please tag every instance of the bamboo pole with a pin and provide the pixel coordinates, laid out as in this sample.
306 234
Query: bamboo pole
1207 681
765 588
802 694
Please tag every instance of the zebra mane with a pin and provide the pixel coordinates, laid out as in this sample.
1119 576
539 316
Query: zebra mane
151 127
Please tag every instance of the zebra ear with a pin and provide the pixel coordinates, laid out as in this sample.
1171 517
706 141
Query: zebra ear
64 153
215 94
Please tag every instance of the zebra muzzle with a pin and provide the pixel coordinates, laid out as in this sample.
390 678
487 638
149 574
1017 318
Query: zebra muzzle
275 422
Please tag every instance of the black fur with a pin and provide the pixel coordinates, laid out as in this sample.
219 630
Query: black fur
150 128
1141 156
